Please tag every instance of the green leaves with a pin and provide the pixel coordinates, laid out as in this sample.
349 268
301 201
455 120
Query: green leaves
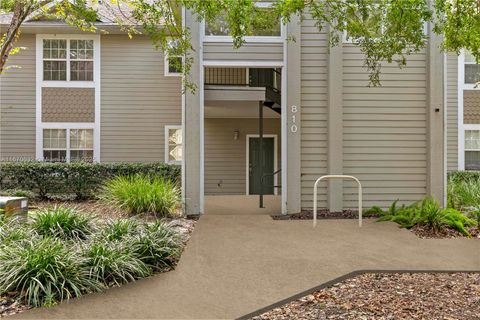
55 258
80 179
428 214
142 194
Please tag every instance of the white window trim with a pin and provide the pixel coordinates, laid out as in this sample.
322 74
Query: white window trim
167 145
462 127
40 83
275 160
67 126
248 39
166 64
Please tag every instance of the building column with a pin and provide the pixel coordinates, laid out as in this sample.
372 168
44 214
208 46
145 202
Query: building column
335 127
435 119
191 125
292 110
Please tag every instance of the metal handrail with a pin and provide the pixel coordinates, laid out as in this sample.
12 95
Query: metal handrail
360 209
262 179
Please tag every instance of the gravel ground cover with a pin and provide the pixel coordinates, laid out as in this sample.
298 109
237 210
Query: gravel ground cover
447 296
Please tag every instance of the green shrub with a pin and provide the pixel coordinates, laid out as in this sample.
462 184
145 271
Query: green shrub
157 245
12 230
118 229
142 194
18 193
63 222
462 194
114 262
428 213
78 178
44 271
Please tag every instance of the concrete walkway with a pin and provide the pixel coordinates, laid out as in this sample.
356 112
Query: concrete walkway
235 265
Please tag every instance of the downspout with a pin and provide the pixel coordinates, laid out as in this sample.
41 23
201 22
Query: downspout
260 156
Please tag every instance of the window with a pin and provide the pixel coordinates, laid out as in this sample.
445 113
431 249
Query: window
70 60
472 149
472 69
173 64
55 60
64 145
267 25
173 144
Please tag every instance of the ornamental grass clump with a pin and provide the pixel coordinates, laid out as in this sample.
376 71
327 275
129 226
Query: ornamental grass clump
158 246
63 222
43 271
141 194
114 262
62 254
117 229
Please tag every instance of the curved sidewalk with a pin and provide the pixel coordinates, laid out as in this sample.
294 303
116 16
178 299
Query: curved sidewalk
234 265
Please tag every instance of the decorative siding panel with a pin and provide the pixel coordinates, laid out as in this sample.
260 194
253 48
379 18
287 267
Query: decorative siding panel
225 158
385 137
220 51
137 100
314 58
17 103
471 107
68 104
452 112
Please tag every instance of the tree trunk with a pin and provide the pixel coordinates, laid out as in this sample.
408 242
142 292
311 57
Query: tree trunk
20 13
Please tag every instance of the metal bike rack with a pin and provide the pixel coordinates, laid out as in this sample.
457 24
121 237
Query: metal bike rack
337 177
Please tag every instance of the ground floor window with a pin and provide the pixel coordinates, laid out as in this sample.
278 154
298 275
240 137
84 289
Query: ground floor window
173 144
67 144
472 149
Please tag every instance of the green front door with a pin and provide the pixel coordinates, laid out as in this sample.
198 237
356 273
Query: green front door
255 174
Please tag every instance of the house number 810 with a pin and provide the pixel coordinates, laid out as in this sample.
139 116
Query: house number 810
294 127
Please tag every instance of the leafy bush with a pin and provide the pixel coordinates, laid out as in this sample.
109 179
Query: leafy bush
157 245
44 271
428 213
142 194
18 193
114 262
63 222
79 178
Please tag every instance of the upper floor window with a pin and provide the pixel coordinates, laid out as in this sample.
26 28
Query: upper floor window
472 69
173 63
68 60
268 24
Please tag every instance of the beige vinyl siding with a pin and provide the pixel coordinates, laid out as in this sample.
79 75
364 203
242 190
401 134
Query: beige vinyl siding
17 103
385 138
225 158
220 51
314 48
137 100
452 112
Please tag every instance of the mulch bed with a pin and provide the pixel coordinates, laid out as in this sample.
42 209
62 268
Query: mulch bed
321 214
449 296
446 233
349 214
